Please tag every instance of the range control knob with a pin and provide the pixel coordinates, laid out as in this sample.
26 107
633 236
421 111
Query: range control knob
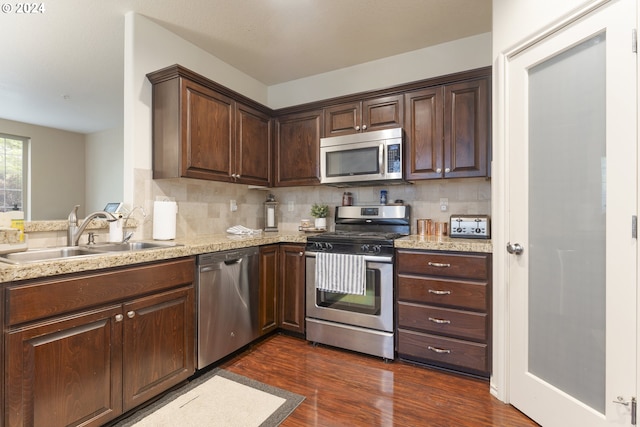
377 249
364 248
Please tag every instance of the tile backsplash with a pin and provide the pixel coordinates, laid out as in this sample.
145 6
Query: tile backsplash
204 206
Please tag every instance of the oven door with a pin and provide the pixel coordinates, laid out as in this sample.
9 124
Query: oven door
373 310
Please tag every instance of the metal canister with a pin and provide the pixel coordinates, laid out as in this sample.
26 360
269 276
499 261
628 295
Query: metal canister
347 199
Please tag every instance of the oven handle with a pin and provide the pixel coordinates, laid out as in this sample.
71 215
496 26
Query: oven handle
367 258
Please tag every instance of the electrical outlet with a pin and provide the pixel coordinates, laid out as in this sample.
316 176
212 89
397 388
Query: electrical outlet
444 205
233 206
290 206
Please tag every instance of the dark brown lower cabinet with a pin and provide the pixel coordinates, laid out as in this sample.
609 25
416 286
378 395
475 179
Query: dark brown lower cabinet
68 363
444 309
268 311
282 288
291 295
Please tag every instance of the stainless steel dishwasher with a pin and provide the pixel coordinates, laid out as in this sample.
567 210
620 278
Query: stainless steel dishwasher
227 294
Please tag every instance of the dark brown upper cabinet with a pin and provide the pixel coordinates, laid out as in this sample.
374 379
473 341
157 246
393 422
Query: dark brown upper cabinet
447 130
297 151
205 131
363 116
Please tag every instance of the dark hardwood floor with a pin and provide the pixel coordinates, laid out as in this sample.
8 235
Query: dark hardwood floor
343 388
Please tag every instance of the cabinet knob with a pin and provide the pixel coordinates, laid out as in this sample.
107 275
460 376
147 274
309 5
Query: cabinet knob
439 170
119 317
357 127
364 127
301 253
447 170
131 314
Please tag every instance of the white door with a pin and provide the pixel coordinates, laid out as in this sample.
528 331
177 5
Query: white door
571 198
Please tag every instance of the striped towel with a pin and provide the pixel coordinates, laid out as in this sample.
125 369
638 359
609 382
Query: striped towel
340 273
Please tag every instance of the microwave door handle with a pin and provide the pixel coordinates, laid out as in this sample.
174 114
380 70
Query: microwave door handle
381 156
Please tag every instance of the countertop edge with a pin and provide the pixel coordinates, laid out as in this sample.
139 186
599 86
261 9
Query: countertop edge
211 243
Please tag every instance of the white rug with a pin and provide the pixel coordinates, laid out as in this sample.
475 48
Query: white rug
218 399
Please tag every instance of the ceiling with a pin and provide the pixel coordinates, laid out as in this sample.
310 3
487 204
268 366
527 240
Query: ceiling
63 67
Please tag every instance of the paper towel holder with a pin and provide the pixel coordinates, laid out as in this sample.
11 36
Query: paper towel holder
270 214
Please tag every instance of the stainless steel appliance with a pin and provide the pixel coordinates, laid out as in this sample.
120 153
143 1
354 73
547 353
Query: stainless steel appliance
470 226
362 158
227 300
362 323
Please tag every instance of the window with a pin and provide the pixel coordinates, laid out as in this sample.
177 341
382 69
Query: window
12 172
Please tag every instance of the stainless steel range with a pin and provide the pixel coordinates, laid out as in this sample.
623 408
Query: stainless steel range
349 279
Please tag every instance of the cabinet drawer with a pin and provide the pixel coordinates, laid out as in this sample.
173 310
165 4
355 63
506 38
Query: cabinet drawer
467 266
440 350
455 293
54 296
459 323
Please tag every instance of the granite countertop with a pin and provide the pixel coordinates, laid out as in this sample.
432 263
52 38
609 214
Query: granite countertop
444 243
210 243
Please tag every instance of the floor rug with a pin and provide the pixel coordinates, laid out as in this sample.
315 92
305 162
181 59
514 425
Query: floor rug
218 399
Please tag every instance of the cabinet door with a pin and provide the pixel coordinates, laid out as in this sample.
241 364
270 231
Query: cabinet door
363 116
253 146
423 134
342 119
208 130
66 371
466 124
291 296
298 149
158 344
382 113
268 312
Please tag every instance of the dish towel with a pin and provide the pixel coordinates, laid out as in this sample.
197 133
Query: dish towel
340 273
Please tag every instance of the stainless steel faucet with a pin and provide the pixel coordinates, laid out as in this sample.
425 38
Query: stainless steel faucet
75 230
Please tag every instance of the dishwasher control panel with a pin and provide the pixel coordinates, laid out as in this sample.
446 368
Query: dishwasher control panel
470 226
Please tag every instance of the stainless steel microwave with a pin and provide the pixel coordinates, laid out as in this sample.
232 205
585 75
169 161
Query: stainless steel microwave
362 158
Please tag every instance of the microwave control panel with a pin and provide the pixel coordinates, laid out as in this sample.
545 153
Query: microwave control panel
470 227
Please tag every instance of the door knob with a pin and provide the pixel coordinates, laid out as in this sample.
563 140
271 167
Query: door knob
515 249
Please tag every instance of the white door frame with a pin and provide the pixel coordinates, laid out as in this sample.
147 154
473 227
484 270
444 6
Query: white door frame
499 384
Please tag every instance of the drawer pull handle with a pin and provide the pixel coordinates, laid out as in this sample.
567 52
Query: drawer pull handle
439 350
437 292
439 321
438 264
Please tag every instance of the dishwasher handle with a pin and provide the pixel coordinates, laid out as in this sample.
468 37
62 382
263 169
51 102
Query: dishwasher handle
233 261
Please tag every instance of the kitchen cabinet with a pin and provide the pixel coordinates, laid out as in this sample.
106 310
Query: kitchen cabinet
268 296
205 131
364 116
297 150
291 289
443 309
85 348
447 130
282 288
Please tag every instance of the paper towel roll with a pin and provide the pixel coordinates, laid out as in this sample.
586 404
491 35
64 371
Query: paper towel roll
164 220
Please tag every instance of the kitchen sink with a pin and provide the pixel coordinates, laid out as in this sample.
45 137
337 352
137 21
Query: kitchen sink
129 246
39 255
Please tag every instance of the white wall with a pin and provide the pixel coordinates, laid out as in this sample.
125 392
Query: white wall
514 22
104 165
57 169
446 58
